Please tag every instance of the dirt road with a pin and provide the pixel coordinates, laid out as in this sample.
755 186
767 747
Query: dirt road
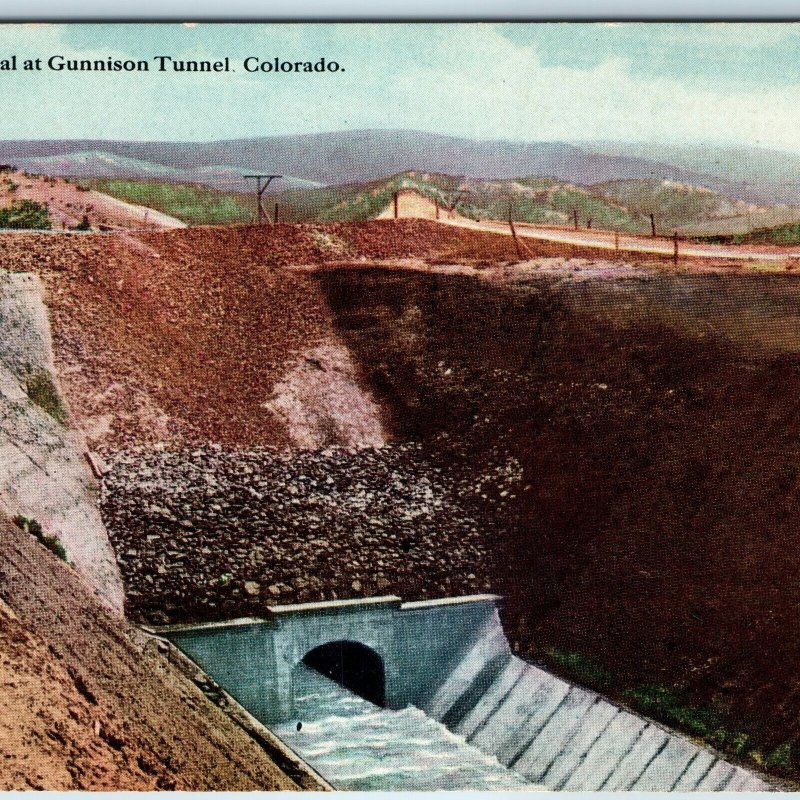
605 240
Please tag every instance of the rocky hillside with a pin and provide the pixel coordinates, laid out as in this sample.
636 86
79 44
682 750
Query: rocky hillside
213 534
675 205
203 335
623 205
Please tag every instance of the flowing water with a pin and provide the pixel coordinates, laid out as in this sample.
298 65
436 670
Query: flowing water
356 745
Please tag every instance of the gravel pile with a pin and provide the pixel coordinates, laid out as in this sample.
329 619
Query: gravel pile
210 533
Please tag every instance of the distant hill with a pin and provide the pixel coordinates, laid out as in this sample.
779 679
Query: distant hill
536 200
105 164
757 174
674 204
362 156
618 205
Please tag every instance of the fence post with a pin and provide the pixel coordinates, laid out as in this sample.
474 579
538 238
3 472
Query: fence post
653 225
575 217
276 213
616 241
675 247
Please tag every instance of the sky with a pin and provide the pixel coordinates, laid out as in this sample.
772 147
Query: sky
698 83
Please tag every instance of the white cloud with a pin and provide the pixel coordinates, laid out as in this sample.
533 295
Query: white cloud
466 79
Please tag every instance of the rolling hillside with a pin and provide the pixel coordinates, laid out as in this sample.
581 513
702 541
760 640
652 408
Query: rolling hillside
622 205
674 204
191 203
31 201
760 176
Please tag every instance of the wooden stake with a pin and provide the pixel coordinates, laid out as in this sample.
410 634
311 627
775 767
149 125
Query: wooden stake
516 240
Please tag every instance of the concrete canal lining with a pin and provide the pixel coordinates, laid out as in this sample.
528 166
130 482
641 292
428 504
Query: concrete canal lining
451 658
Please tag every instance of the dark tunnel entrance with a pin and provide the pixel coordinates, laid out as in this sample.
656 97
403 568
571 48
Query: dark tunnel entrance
354 666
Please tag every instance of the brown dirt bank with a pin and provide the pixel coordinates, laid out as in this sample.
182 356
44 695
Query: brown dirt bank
652 548
182 335
85 706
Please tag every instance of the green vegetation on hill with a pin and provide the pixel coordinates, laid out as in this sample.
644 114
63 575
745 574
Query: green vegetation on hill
33 527
43 392
535 200
623 205
359 202
25 215
779 234
783 234
673 204
546 201
195 205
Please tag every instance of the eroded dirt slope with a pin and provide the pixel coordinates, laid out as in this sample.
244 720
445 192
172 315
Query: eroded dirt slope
86 706
69 204
182 336
652 545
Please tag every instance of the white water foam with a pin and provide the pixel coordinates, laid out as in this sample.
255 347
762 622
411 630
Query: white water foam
356 745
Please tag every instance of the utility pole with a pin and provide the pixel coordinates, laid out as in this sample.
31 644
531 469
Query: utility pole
260 189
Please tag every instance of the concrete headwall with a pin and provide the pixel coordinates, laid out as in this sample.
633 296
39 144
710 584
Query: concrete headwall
451 658
43 474
419 644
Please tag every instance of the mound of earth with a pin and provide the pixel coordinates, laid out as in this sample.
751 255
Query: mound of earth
637 427
650 547
87 704
184 336
70 205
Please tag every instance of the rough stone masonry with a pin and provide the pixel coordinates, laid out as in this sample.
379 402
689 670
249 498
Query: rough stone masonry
211 534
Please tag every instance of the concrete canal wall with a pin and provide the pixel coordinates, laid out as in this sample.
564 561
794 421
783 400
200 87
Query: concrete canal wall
451 659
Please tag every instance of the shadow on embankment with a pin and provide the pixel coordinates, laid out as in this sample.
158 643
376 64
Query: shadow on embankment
651 547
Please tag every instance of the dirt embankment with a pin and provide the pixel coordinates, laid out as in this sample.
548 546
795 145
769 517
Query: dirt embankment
653 539
70 205
648 419
197 335
86 705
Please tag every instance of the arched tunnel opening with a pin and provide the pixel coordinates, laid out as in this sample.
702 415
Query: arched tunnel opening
355 666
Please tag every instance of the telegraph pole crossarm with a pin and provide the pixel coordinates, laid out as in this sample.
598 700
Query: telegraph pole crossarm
260 189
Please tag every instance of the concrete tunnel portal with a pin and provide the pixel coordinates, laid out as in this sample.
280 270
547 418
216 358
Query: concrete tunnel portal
450 658
353 665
